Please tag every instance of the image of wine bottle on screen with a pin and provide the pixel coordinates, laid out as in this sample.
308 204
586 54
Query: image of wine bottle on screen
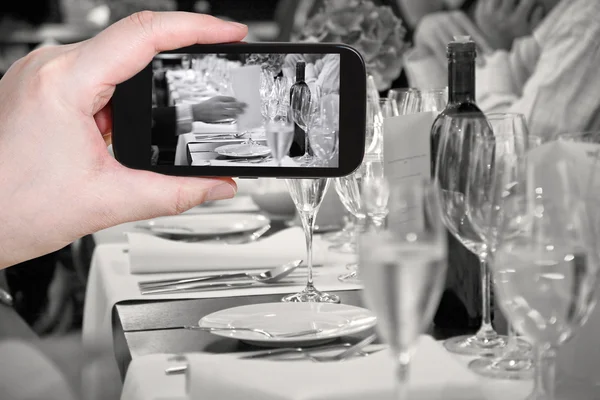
239 110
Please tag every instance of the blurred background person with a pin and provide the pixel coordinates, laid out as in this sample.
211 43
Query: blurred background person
551 76
493 25
170 122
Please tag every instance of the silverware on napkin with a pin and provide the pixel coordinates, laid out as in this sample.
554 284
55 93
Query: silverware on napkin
199 287
269 276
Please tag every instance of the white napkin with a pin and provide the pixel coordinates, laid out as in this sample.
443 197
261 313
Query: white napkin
435 375
150 254
199 128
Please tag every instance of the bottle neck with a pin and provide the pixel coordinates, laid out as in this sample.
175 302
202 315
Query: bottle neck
461 80
300 73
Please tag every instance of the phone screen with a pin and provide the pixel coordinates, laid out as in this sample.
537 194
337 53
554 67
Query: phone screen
246 110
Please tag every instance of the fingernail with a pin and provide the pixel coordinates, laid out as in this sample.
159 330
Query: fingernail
238 24
221 192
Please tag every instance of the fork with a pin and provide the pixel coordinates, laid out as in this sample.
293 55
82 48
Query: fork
356 349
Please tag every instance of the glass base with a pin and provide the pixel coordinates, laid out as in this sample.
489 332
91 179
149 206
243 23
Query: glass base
337 237
306 160
352 276
470 345
513 366
311 295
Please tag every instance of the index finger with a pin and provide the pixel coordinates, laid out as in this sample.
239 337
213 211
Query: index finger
128 46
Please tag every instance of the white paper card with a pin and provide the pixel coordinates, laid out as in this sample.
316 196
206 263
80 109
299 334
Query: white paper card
246 86
407 147
407 160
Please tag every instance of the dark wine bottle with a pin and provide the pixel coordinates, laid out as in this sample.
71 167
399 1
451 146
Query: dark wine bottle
461 89
461 305
299 99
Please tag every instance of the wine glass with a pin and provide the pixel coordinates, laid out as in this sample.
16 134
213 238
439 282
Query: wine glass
546 268
493 170
432 100
308 195
403 269
305 104
404 101
452 172
324 131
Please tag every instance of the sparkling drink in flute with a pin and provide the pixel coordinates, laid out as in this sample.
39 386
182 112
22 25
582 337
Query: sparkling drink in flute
403 265
280 135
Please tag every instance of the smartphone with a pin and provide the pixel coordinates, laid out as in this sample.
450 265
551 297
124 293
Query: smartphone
247 110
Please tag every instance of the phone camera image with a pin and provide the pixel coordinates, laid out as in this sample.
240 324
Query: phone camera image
246 110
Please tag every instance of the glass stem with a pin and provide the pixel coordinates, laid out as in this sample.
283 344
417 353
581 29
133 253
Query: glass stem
306 143
512 345
486 331
402 369
545 372
308 223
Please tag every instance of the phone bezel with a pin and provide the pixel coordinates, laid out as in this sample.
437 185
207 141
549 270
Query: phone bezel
132 115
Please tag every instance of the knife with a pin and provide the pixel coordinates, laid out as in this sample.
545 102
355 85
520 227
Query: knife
212 286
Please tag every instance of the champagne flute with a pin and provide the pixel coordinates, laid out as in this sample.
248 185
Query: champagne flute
308 195
403 270
348 189
546 268
452 168
280 135
493 170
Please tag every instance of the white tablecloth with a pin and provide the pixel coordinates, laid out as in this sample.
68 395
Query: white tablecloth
110 282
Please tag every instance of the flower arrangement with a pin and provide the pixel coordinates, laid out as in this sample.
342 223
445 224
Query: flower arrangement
372 30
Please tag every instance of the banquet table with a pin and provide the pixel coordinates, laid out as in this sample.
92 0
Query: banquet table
143 332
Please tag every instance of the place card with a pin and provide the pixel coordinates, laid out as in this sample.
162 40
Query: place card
407 147
246 86
407 158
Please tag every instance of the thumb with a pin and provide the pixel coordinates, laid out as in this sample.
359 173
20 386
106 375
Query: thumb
135 195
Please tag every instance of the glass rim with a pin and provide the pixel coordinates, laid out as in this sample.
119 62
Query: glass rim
401 90
434 90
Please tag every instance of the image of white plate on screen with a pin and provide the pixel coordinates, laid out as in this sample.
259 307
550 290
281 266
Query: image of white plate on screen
210 225
243 150
330 321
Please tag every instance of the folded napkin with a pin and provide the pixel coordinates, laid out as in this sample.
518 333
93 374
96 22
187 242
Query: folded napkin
200 127
435 375
151 254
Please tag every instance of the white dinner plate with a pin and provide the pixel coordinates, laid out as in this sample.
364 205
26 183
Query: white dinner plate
207 224
243 150
334 321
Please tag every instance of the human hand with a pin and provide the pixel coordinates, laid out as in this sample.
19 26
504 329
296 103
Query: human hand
217 108
503 21
58 179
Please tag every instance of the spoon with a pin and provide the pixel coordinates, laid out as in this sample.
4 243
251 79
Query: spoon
268 276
